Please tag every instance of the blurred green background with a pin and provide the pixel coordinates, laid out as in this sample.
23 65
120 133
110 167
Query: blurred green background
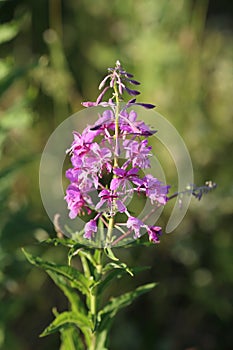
53 55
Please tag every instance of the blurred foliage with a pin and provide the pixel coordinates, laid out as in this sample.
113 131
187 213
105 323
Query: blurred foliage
53 55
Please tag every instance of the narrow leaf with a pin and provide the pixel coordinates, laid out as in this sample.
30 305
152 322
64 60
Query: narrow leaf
71 294
77 279
88 256
118 273
66 242
67 318
110 254
122 266
115 304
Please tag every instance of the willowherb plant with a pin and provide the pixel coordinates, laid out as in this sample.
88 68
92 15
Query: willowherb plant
109 159
115 147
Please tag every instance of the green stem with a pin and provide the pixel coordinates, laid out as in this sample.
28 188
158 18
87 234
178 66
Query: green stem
115 164
109 232
85 265
93 342
116 136
94 295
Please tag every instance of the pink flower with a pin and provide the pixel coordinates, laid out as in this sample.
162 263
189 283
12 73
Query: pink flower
111 200
77 203
134 224
89 229
155 190
98 180
138 153
154 232
123 177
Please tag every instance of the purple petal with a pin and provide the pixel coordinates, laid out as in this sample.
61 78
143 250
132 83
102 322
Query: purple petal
132 116
89 229
104 193
137 181
132 171
73 213
114 184
100 204
120 206
154 232
119 172
108 167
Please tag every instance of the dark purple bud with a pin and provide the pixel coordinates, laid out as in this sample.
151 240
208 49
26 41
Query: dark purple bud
128 75
146 105
135 82
132 92
148 133
132 101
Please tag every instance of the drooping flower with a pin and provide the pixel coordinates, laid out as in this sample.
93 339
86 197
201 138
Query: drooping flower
134 224
154 232
89 229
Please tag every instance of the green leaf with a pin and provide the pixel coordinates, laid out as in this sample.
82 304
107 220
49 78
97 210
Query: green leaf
65 319
115 304
118 273
71 339
88 256
122 266
76 278
108 251
66 242
71 294
78 250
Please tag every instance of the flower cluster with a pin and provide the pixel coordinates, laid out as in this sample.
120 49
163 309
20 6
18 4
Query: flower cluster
108 159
